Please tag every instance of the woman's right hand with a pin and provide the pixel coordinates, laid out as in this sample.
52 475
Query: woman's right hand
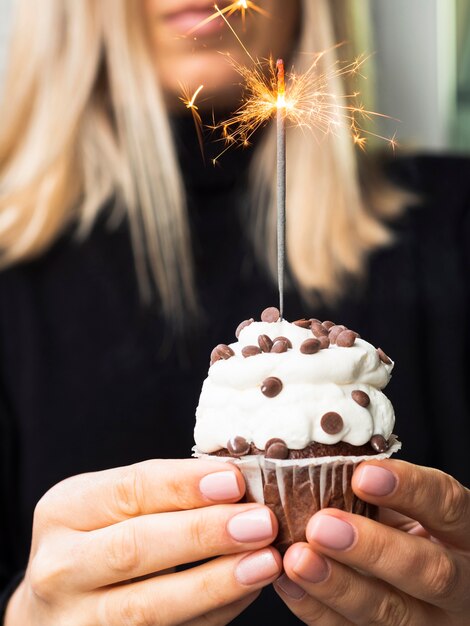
103 544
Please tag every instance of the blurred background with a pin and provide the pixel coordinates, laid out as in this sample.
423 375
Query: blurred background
420 71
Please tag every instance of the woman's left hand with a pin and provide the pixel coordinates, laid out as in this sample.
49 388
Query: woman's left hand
412 570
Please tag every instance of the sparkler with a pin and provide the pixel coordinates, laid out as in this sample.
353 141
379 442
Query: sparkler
281 180
243 6
305 100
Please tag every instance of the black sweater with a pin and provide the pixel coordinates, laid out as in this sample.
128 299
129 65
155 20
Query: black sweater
89 378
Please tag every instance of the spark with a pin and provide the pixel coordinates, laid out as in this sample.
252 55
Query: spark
242 6
307 100
189 100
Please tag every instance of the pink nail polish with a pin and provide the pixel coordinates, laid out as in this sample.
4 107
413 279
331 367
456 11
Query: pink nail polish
256 568
311 566
253 525
331 532
220 486
290 588
376 481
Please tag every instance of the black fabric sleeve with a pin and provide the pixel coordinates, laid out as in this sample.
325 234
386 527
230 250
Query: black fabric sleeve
9 576
444 245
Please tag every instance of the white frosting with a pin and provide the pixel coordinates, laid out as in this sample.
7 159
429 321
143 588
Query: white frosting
232 404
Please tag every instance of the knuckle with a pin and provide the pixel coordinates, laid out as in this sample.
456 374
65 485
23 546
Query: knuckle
128 492
340 592
122 552
50 506
182 496
376 550
42 510
314 613
455 502
133 610
212 590
46 575
441 576
391 610
201 532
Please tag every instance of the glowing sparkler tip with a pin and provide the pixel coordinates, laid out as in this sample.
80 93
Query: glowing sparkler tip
281 77
281 84
305 100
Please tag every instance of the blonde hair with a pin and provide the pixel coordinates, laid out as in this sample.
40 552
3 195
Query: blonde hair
84 121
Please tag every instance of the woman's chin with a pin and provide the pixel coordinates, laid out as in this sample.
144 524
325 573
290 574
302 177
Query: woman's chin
221 83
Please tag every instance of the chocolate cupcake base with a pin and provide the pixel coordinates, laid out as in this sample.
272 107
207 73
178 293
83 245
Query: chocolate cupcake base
296 489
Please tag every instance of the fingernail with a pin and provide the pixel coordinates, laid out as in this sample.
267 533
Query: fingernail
331 532
220 486
311 567
289 587
253 525
256 567
376 481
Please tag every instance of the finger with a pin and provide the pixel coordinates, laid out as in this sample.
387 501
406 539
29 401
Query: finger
306 607
360 599
152 543
435 499
413 564
99 499
226 614
179 598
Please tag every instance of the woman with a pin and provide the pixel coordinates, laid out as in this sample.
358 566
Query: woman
105 336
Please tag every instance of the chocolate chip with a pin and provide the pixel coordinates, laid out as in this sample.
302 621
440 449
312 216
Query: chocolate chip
250 351
225 351
221 352
332 423
277 450
361 397
243 325
318 329
379 443
324 342
327 324
346 339
215 356
271 387
265 343
238 446
271 314
383 357
310 346
335 331
279 346
302 323
288 341
271 441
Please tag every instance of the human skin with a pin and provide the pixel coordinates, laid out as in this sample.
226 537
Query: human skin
105 546
195 59
411 569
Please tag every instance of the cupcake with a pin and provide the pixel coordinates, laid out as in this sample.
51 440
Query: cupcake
296 406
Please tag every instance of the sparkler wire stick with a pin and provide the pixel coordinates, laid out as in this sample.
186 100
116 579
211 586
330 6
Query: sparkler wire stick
281 182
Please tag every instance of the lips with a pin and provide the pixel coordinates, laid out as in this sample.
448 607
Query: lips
191 15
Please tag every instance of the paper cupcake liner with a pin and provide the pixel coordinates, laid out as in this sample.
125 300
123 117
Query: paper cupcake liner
296 489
